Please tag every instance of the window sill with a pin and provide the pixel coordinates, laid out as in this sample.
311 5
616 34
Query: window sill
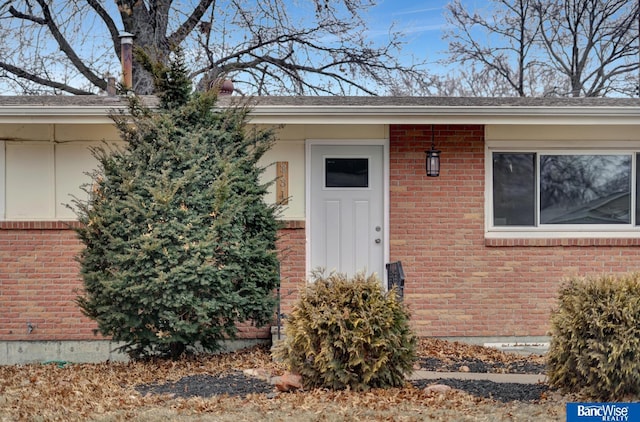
39 225
565 241
72 224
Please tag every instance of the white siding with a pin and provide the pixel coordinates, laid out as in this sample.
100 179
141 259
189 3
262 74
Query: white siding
30 189
565 133
293 153
44 165
42 177
72 161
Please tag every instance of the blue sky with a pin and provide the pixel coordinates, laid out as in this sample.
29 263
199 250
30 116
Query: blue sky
422 21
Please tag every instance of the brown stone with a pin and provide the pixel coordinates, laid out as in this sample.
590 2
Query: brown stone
259 373
437 388
287 382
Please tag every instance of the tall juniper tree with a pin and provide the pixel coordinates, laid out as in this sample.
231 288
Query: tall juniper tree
179 244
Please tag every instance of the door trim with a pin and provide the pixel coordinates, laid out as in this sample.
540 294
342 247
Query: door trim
385 188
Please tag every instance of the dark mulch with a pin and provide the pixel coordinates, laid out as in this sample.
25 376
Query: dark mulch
523 366
238 384
202 385
502 391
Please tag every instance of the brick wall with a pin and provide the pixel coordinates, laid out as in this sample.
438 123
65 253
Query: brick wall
291 245
458 283
39 281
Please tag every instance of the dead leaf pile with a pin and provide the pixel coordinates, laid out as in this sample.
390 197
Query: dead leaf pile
107 391
448 351
76 391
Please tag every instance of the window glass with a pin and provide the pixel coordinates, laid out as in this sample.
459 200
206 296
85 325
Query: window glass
514 192
346 172
585 189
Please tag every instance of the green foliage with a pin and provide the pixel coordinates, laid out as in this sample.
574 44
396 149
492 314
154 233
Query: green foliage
348 333
172 83
595 347
180 245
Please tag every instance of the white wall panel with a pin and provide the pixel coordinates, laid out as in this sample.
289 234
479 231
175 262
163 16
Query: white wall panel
562 132
293 153
69 132
72 161
30 187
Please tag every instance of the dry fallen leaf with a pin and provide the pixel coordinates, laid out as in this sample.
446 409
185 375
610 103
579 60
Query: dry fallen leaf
86 391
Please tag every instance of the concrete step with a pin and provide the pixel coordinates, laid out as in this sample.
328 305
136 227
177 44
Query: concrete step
501 378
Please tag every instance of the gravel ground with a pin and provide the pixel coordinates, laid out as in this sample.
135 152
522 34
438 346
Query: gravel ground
238 384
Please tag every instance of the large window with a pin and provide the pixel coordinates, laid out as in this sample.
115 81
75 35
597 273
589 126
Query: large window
564 190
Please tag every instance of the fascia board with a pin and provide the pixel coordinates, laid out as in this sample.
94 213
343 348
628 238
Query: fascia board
52 115
357 115
445 115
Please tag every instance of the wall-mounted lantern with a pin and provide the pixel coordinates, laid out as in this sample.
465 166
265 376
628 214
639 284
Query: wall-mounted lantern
433 158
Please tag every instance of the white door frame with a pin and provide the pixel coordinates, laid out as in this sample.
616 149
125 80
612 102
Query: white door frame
385 198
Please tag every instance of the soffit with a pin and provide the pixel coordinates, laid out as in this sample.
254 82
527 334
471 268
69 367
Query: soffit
350 110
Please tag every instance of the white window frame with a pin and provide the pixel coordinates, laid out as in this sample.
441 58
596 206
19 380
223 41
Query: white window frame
552 231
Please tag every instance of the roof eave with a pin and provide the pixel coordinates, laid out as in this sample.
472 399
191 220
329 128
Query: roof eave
57 115
444 115
354 114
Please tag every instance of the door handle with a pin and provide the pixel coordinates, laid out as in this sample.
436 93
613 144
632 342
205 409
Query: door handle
378 240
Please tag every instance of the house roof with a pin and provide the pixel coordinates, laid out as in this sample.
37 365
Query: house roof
440 110
351 110
59 109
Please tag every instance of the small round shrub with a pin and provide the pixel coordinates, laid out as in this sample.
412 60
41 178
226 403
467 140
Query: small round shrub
595 343
348 334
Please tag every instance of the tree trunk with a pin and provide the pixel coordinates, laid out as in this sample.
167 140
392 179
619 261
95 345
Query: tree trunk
149 31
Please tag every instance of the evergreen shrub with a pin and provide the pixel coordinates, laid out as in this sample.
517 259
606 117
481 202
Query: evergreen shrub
595 344
179 243
347 333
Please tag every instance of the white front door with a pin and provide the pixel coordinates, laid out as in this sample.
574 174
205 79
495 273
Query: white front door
346 208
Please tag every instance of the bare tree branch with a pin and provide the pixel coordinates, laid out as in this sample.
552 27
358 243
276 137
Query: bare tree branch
65 47
590 42
21 73
28 17
68 50
512 35
265 46
109 23
588 45
181 33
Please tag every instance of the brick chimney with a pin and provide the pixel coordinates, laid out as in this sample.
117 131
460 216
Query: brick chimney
111 86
